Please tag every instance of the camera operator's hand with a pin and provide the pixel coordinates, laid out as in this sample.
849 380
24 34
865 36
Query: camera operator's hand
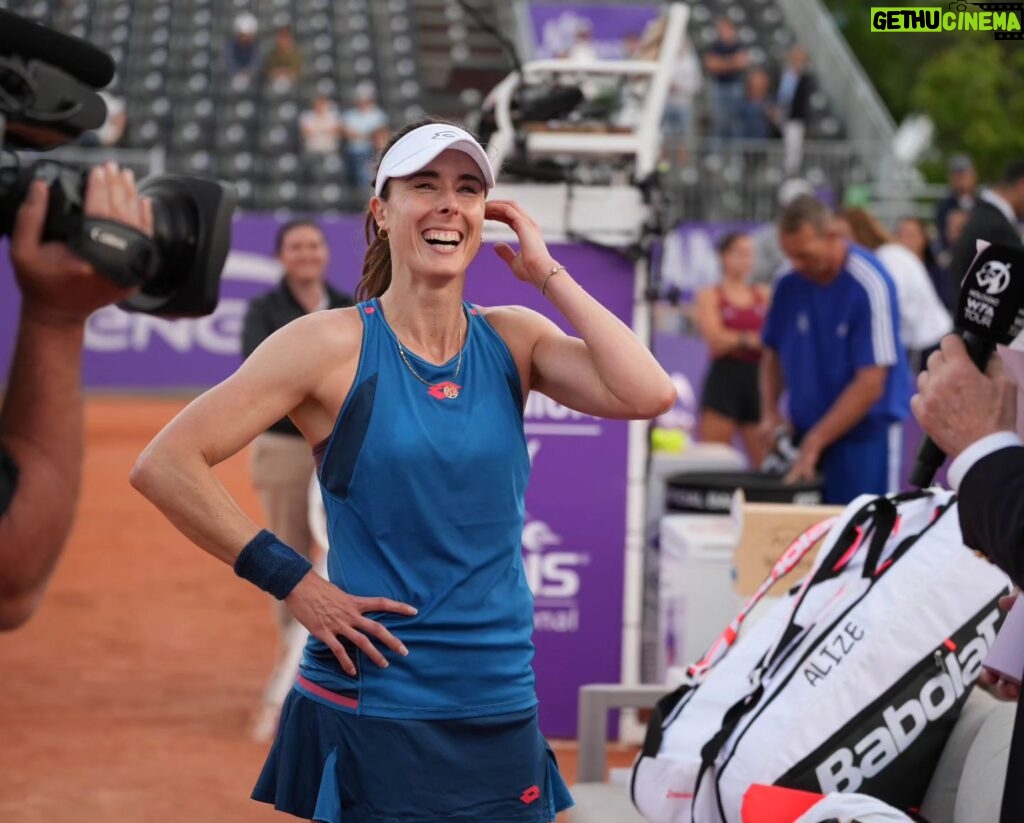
57 286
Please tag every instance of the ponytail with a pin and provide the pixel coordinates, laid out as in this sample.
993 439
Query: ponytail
376 276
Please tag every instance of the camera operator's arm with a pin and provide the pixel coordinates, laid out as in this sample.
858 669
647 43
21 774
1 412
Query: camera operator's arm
41 420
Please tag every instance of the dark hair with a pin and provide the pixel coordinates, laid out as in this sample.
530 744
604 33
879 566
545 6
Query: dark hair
929 259
804 210
866 229
297 223
729 240
376 276
1014 173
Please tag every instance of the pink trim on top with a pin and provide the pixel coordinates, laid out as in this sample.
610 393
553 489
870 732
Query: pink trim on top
850 551
329 696
318 452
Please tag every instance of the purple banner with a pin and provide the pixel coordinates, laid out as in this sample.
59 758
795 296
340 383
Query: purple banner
557 27
574 537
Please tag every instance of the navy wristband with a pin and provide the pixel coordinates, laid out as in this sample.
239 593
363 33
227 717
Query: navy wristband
272 565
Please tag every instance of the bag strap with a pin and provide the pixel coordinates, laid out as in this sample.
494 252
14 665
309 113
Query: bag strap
876 517
788 560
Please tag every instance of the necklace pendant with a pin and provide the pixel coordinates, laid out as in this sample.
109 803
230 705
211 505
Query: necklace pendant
451 391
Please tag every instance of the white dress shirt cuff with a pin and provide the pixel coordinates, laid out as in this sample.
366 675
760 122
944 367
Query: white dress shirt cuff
976 451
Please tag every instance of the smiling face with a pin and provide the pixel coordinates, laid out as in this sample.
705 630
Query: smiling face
435 217
303 255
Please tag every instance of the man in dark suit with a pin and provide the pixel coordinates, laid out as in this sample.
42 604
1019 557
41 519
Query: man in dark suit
994 218
963 194
794 107
972 417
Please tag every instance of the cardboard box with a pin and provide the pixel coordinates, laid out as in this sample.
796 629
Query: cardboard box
766 530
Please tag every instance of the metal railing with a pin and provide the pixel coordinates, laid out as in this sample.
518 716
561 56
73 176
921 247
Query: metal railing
740 179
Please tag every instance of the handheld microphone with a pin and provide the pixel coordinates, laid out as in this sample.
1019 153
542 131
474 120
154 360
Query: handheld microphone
990 313
72 55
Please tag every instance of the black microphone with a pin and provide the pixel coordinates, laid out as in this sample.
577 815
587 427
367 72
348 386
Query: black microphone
990 313
72 55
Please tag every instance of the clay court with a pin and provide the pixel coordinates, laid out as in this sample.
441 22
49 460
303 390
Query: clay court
127 697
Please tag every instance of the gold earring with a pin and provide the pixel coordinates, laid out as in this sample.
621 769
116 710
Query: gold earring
382 234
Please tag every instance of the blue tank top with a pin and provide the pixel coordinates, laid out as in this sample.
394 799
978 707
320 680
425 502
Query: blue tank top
424 494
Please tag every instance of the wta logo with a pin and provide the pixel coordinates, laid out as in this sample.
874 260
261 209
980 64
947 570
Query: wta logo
994 277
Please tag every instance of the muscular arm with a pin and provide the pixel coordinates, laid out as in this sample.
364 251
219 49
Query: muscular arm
606 371
41 420
855 401
41 429
770 384
176 470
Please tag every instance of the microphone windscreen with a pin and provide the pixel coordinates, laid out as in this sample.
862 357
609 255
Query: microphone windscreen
31 41
992 295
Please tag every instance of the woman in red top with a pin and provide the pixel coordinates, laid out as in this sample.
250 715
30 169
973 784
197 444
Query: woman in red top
729 317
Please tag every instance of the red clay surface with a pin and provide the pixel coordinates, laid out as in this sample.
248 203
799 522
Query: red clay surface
127 698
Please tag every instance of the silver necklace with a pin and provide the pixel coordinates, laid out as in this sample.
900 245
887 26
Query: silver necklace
448 388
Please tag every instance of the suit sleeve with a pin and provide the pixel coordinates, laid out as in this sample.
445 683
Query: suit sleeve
801 108
991 508
255 328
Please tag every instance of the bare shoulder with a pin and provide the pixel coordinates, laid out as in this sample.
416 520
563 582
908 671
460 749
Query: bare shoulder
708 296
517 322
322 335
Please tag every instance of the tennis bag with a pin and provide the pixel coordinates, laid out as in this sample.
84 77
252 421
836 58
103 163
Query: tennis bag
850 683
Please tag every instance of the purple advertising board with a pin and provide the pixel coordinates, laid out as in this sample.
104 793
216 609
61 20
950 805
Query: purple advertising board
574 536
556 27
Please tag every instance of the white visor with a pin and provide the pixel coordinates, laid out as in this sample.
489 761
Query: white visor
419 147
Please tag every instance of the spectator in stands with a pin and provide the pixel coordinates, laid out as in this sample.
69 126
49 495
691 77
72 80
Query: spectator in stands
583 48
321 127
284 63
242 54
758 108
282 463
913 233
794 107
995 217
924 320
963 194
684 85
956 219
365 127
729 317
726 62
830 339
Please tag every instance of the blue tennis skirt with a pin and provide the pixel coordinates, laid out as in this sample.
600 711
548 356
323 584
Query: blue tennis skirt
337 767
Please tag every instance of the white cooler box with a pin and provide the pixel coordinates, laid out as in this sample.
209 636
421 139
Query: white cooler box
697 596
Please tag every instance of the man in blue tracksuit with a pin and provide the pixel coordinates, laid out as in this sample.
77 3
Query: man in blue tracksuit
831 339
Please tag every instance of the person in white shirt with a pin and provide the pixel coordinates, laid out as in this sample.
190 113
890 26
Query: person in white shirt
321 127
365 127
685 83
923 318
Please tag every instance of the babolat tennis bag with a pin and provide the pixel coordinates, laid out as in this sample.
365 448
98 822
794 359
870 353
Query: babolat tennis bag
850 683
